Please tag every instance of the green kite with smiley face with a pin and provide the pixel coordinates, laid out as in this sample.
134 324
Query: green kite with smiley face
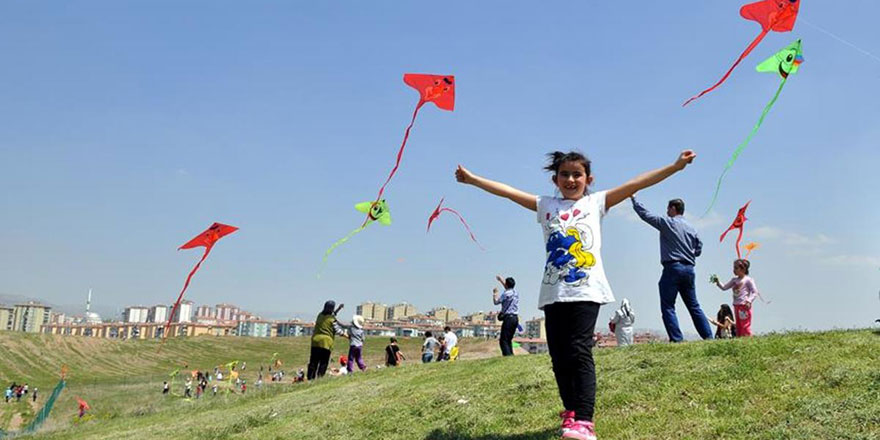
376 212
784 63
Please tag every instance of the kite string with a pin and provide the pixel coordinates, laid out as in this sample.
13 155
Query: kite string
460 218
840 39
180 297
742 146
742 56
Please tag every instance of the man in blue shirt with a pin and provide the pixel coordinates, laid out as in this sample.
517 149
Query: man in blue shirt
679 248
509 301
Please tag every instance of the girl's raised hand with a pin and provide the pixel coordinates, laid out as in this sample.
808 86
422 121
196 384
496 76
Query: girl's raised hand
685 158
463 175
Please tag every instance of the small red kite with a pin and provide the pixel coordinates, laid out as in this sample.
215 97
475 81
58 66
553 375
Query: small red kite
436 214
738 223
206 239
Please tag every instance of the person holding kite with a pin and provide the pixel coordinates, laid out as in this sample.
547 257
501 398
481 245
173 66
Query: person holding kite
679 248
574 284
744 293
326 329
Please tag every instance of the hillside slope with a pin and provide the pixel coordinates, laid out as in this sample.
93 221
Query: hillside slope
797 385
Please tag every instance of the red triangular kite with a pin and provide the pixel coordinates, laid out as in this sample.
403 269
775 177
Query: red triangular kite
440 208
738 223
206 239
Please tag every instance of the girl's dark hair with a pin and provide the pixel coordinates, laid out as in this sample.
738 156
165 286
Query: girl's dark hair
428 334
510 283
744 264
724 312
557 158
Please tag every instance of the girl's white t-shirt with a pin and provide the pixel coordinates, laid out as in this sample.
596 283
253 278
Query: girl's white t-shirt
573 269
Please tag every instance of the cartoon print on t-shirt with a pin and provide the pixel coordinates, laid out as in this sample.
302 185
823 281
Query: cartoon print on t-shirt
568 255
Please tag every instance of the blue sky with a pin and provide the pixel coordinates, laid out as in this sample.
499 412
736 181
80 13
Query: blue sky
130 127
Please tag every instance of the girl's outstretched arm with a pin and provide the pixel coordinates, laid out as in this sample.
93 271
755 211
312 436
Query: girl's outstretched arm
650 178
522 198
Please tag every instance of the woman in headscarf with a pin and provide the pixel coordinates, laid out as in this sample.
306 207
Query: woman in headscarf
622 323
326 328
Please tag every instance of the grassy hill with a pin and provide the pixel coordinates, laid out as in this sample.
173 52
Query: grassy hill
797 385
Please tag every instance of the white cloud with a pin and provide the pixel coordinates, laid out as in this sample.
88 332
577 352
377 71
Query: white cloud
817 245
789 237
709 220
624 211
853 260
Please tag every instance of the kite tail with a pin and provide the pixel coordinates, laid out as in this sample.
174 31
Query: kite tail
729 71
460 218
180 297
399 154
336 245
742 146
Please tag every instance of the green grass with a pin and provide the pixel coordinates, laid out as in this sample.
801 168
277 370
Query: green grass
781 386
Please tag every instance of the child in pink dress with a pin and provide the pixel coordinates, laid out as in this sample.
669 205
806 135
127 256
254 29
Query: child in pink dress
744 293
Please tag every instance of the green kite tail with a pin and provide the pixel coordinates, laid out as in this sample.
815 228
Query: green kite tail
338 243
742 146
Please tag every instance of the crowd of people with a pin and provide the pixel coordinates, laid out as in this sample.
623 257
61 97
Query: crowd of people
15 392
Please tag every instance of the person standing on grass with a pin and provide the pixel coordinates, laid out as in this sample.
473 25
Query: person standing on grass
679 248
509 315
428 347
356 344
8 394
621 323
744 293
326 329
187 391
35 394
574 285
393 356
450 341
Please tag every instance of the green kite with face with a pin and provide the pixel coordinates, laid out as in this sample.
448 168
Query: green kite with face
784 63
376 212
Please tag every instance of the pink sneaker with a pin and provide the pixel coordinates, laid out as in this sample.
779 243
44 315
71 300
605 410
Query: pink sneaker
567 420
580 430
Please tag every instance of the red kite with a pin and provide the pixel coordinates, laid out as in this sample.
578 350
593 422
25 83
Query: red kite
440 208
439 89
206 239
738 223
772 15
